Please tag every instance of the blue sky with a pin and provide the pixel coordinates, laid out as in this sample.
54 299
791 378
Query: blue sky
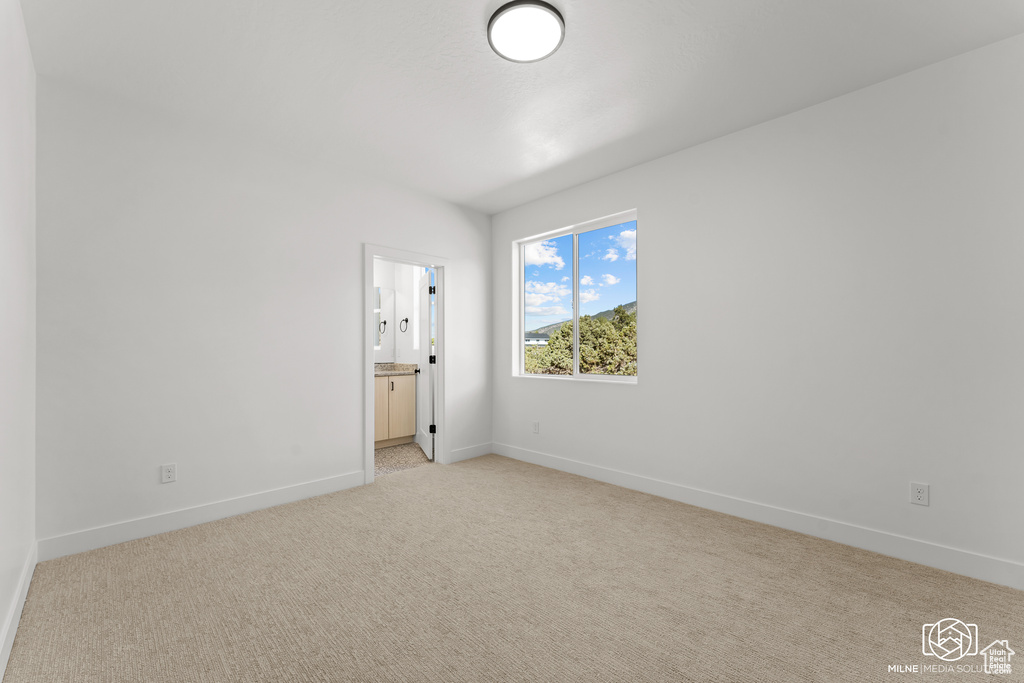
607 272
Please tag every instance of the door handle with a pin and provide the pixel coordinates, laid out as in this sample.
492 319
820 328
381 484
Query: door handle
392 386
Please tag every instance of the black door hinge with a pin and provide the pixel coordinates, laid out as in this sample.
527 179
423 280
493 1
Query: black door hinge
433 289
433 429
433 360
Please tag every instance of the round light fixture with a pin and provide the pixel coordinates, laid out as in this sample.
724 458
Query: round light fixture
525 30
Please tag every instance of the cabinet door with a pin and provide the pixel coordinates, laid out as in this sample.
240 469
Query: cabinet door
381 389
402 406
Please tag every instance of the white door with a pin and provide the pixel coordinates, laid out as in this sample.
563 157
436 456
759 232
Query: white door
425 380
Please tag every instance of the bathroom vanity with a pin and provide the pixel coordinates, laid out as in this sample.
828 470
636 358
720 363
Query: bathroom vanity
394 403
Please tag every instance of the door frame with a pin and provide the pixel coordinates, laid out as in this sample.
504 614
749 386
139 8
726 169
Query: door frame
370 252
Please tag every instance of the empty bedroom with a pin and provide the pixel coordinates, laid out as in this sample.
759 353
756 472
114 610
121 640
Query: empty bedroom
541 340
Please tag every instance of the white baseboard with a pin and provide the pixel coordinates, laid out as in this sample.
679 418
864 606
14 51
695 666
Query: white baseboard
470 452
119 532
975 565
9 626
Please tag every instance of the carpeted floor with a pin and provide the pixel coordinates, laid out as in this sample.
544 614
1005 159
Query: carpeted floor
398 458
492 570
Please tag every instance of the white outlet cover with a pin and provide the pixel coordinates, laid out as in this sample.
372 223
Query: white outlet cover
919 493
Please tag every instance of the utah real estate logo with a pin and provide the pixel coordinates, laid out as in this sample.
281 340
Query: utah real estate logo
951 640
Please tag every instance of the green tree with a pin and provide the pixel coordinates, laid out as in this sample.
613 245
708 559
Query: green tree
556 357
607 347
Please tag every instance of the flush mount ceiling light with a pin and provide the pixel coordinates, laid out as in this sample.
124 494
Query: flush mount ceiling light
525 30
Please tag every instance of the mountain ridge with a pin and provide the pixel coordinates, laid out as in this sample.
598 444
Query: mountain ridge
548 329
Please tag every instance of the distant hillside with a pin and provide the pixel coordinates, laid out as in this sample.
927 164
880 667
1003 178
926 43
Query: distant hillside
548 329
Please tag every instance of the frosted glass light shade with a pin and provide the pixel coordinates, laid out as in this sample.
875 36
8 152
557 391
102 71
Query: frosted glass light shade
525 30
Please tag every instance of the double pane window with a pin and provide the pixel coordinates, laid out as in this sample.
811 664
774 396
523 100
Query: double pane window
579 302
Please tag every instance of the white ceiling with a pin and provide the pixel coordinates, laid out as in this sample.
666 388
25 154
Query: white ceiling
410 90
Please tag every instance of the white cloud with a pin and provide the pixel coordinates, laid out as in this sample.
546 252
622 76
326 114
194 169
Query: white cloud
610 279
546 310
538 293
565 279
554 289
538 299
627 241
543 254
586 296
586 280
611 255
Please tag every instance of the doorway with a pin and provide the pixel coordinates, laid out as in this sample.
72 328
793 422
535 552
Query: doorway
404 360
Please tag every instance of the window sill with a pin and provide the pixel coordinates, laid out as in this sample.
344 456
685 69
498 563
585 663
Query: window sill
628 380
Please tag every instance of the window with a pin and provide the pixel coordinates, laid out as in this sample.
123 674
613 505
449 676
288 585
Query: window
578 303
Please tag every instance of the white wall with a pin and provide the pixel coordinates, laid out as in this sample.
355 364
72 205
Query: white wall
17 319
200 302
830 309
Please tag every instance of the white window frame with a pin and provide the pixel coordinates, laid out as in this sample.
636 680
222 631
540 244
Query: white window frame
519 287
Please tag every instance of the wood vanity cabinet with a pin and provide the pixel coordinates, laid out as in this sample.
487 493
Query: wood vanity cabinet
394 408
380 408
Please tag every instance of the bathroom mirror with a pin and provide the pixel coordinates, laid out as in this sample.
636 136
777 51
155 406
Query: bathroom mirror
384 318
376 318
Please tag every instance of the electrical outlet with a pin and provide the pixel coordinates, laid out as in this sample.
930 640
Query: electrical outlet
168 473
536 427
918 493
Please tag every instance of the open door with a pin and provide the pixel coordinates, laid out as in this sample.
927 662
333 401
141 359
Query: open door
426 382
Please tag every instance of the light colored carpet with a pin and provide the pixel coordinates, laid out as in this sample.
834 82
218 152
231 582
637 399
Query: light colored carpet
491 570
398 458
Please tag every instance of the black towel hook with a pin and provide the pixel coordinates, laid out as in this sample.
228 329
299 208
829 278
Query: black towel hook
405 321
383 326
